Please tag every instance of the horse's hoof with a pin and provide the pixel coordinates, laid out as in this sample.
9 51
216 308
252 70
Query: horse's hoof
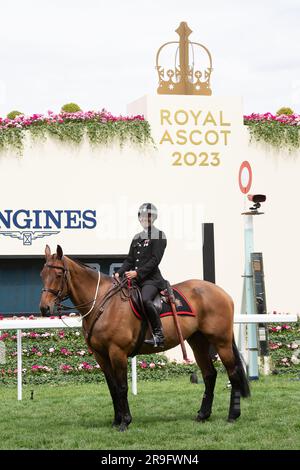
201 417
123 427
116 422
232 419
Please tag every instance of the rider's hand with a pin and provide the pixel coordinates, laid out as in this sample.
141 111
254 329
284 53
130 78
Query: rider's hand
131 274
116 275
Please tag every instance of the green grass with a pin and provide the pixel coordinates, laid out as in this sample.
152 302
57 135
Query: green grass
80 416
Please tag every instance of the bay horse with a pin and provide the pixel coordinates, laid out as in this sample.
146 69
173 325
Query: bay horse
111 330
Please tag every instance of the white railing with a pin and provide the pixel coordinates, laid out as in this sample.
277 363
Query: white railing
75 322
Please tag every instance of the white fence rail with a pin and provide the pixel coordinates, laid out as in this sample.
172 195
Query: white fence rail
75 322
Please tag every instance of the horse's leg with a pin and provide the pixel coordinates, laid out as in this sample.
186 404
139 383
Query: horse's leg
229 355
200 346
119 365
111 383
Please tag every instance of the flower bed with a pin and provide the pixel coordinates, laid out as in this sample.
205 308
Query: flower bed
284 346
62 356
55 356
278 131
101 127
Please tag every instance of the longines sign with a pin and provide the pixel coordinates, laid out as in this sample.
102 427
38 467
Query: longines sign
28 225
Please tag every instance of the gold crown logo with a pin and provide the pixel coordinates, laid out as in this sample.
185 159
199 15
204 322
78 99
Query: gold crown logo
185 78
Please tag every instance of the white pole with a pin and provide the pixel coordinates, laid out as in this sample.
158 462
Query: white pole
133 375
249 297
19 370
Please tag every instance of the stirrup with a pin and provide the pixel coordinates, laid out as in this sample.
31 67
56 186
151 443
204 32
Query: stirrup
155 341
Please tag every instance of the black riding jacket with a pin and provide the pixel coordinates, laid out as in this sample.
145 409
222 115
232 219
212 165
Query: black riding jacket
145 253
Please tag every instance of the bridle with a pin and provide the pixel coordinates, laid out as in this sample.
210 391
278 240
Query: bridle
64 279
64 283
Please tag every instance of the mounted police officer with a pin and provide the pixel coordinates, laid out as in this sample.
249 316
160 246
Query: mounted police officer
145 253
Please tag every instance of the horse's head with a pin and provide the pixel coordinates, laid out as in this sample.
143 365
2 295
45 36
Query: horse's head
54 276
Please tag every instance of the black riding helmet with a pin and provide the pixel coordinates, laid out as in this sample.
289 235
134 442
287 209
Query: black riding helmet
148 208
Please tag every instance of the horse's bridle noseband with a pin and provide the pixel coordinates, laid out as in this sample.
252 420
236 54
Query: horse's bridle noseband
64 279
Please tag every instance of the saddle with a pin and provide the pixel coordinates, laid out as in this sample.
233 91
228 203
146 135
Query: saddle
161 303
137 301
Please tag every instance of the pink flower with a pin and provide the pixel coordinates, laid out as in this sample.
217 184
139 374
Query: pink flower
37 368
61 334
151 365
65 352
39 354
85 366
143 364
101 116
66 368
31 317
51 350
32 334
4 336
1 317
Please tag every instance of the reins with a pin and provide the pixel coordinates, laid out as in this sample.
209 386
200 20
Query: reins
118 286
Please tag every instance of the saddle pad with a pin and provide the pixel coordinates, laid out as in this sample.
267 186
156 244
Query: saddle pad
182 306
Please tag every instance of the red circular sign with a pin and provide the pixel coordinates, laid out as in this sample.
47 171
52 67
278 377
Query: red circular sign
245 167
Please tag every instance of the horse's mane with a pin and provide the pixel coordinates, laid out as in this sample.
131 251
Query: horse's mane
77 261
81 263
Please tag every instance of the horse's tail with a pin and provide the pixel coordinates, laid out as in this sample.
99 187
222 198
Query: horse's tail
241 375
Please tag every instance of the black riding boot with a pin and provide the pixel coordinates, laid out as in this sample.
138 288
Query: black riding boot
154 318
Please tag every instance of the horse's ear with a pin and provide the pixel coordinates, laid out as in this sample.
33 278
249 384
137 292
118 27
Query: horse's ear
47 252
59 252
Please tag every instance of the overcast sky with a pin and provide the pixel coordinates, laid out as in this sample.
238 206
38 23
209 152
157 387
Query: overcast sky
101 54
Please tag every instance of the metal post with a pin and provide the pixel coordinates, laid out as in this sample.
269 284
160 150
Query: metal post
19 367
242 334
133 375
249 297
